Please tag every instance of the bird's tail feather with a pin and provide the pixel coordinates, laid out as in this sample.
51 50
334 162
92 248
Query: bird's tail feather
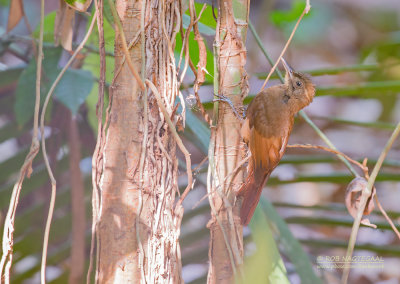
251 192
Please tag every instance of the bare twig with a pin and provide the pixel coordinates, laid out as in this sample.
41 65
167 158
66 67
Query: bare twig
309 146
99 143
366 193
46 160
200 77
26 169
305 11
185 48
387 217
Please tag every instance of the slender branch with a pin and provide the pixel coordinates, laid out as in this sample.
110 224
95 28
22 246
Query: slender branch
366 193
185 47
387 217
338 153
26 169
200 77
46 160
99 142
305 11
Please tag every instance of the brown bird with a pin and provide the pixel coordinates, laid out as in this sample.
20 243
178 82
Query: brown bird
266 129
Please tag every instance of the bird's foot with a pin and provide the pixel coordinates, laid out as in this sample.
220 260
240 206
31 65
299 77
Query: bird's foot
222 98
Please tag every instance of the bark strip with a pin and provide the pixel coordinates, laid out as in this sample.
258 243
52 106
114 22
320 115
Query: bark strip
226 152
138 182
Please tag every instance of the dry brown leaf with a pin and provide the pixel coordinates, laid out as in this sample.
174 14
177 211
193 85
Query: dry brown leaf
63 26
353 197
79 6
15 14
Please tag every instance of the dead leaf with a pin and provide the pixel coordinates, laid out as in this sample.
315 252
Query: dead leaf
79 5
63 26
15 14
353 197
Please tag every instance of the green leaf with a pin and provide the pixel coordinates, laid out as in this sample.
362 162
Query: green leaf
73 88
289 244
279 17
204 29
48 28
199 129
72 2
207 22
10 75
266 264
25 92
107 13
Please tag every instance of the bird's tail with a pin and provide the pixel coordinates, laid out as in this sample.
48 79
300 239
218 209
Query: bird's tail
251 193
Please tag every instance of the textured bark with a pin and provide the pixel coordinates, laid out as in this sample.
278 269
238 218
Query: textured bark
154 257
226 242
77 204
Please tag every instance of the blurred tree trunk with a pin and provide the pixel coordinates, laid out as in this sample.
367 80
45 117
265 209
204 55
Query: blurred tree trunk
226 149
77 204
138 227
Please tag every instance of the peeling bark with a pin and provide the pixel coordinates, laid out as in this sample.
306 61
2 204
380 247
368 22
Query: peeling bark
127 184
226 242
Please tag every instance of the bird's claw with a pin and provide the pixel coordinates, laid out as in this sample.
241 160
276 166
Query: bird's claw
222 98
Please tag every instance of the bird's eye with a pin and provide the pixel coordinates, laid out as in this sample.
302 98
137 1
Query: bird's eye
298 83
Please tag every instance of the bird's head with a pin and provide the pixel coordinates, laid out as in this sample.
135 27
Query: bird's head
300 87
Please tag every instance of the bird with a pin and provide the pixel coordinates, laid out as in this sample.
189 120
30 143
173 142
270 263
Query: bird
268 123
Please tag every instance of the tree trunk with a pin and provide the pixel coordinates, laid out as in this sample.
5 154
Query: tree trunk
77 204
226 149
138 228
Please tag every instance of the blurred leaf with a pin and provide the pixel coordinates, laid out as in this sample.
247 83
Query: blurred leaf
289 244
107 13
362 89
332 70
373 124
280 17
73 88
15 14
266 264
335 177
339 221
10 75
381 250
199 129
48 28
206 30
25 92
313 26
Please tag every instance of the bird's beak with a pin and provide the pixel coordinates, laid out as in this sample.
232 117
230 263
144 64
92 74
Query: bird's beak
288 69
